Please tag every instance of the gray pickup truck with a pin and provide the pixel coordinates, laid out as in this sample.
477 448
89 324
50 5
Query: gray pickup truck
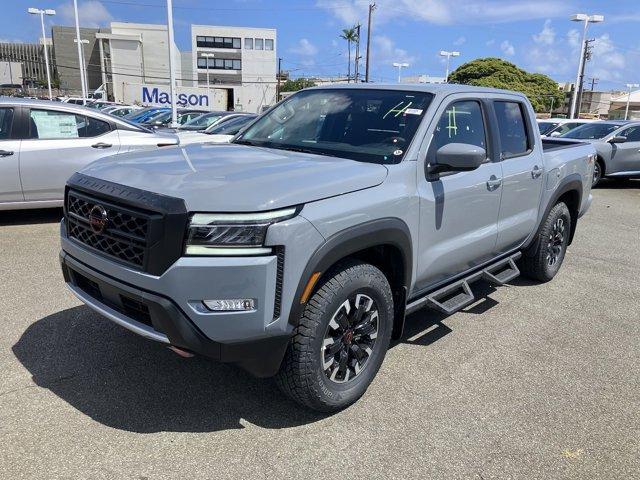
297 250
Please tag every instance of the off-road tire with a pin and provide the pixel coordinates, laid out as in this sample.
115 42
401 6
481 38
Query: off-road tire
302 376
536 261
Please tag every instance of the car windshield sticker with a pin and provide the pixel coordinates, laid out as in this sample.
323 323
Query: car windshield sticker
413 111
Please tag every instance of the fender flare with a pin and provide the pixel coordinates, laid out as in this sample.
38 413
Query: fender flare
572 182
385 231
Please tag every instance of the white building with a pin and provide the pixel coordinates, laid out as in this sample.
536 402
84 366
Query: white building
241 66
423 79
240 60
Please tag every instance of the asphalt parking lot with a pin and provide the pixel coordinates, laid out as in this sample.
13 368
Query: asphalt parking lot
532 381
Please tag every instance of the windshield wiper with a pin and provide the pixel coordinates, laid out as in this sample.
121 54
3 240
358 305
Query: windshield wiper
299 149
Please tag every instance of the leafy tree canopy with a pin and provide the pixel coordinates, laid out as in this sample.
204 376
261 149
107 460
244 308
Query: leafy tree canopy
498 73
297 84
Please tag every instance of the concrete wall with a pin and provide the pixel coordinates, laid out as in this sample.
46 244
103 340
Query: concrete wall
11 73
68 64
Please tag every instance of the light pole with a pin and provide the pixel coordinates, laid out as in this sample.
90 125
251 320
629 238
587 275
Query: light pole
79 44
444 53
586 19
42 13
208 56
629 86
83 65
172 71
400 66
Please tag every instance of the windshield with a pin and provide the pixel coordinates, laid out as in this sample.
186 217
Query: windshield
591 131
202 121
360 124
546 127
231 126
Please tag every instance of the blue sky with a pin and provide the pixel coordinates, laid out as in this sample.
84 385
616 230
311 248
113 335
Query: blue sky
534 34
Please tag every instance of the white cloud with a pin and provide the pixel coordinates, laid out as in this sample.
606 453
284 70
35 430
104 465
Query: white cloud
446 12
384 50
459 41
92 14
491 42
507 48
547 36
305 48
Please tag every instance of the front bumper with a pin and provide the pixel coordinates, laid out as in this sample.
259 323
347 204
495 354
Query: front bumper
168 308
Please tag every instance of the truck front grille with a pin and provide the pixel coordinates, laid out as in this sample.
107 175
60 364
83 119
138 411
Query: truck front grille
125 233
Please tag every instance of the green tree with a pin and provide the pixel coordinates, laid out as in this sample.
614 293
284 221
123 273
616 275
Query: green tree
350 35
297 84
498 73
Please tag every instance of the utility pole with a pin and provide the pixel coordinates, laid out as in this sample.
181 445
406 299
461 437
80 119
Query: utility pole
551 109
586 19
172 69
357 65
586 56
279 77
372 7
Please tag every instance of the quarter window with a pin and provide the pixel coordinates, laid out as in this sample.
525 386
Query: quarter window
513 130
462 122
6 118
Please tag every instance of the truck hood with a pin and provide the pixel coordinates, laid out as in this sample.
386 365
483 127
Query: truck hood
237 178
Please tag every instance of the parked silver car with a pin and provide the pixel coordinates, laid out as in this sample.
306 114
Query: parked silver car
43 143
618 147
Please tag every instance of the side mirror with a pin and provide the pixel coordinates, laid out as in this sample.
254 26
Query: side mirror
457 157
618 139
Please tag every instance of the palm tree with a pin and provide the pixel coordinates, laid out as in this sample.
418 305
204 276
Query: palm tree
350 35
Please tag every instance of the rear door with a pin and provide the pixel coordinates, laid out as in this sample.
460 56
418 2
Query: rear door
10 188
522 170
626 156
59 144
458 211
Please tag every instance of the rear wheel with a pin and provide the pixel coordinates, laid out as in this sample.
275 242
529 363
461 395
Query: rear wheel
598 172
341 339
544 258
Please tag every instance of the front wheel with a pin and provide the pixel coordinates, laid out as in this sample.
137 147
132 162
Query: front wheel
341 340
544 258
598 170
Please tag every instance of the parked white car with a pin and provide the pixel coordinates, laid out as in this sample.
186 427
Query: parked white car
221 132
43 143
554 127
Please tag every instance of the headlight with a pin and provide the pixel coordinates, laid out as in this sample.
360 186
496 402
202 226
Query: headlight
232 233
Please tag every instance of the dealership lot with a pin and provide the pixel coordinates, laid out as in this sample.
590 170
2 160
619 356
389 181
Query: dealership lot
532 381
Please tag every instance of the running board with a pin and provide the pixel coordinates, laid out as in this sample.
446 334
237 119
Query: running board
458 295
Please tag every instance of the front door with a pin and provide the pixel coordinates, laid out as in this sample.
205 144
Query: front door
522 171
458 211
10 188
626 156
60 143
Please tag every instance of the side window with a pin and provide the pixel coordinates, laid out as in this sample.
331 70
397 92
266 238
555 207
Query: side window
462 122
565 127
513 130
6 119
632 134
50 124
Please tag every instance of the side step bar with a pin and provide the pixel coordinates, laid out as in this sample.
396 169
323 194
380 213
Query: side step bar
458 295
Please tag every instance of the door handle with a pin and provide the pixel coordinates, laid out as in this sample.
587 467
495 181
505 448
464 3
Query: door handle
5 153
536 172
493 183
101 145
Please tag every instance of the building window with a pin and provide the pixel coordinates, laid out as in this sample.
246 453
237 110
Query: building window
248 43
219 63
259 44
218 42
268 44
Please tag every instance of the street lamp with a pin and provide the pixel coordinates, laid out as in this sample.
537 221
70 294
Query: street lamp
83 84
83 64
444 53
172 68
586 19
629 86
42 13
208 56
400 66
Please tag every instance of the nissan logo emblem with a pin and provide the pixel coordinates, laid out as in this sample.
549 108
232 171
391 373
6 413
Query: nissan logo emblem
98 219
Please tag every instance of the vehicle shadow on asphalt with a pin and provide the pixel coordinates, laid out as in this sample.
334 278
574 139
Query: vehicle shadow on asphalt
126 382
31 217
618 184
